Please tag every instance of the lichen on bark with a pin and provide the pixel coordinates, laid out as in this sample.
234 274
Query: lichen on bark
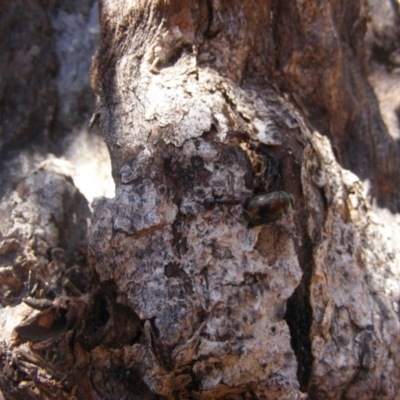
354 288
210 300
203 106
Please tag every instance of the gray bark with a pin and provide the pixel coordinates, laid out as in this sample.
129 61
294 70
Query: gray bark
207 103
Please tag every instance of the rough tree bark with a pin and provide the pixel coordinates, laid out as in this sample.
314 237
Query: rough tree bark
201 104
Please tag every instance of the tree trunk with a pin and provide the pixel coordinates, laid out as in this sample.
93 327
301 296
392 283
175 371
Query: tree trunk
246 253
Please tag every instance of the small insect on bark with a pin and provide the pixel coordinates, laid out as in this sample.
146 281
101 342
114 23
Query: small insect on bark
267 207
259 209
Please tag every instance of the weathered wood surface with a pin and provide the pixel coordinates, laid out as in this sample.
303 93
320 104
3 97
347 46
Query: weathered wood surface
217 100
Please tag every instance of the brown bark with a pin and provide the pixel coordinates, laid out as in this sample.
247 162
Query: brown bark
202 104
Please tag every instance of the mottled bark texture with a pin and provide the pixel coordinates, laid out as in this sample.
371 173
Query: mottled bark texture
199 100
201 104
45 104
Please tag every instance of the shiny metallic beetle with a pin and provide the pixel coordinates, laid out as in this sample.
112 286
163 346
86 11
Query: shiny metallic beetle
267 207
259 209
